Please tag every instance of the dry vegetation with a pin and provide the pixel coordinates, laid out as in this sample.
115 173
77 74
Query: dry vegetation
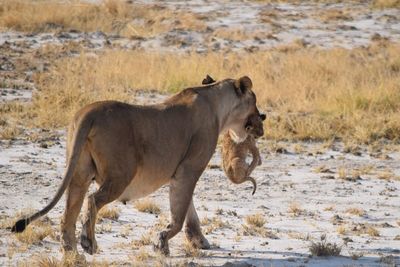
190 250
256 220
214 224
356 211
255 227
347 94
324 248
145 240
373 3
69 260
386 3
147 205
295 209
111 213
110 16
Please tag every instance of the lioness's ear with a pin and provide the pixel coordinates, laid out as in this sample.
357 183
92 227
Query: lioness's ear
208 80
242 85
263 117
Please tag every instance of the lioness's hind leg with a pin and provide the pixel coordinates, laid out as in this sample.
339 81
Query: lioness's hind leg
193 230
75 197
109 191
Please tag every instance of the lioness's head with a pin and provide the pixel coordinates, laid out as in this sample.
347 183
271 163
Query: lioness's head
254 125
245 106
240 106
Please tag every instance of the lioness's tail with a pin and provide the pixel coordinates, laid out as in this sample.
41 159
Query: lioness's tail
80 135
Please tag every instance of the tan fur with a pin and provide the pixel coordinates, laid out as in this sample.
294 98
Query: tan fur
131 151
234 154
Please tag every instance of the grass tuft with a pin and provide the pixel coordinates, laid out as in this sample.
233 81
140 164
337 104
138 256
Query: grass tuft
190 250
356 211
147 205
256 220
295 209
35 233
386 3
111 213
324 248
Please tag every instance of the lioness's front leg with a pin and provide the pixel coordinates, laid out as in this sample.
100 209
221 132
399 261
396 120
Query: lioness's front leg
180 194
182 186
193 230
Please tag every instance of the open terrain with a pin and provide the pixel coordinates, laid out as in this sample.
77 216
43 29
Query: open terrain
326 73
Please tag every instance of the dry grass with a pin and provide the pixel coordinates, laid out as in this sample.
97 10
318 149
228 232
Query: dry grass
69 260
348 175
109 16
213 224
324 248
191 251
328 15
347 94
250 230
9 111
147 205
10 132
255 227
322 169
111 213
298 235
295 209
35 233
356 211
388 175
104 228
342 174
341 230
48 15
330 208
256 220
372 231
142 255
386 3
363 229
373 3
240 34
144 240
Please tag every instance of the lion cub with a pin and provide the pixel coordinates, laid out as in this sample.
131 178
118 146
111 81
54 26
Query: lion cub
234 154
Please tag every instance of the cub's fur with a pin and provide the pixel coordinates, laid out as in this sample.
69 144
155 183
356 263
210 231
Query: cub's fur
234 154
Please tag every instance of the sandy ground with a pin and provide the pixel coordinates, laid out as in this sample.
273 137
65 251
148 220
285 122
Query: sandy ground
305 190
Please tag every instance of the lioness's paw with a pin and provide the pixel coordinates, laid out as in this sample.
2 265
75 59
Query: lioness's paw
199 242
89 246
204 244
161 244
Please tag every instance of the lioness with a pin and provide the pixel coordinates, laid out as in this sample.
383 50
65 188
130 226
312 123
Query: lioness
131 151
234 154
